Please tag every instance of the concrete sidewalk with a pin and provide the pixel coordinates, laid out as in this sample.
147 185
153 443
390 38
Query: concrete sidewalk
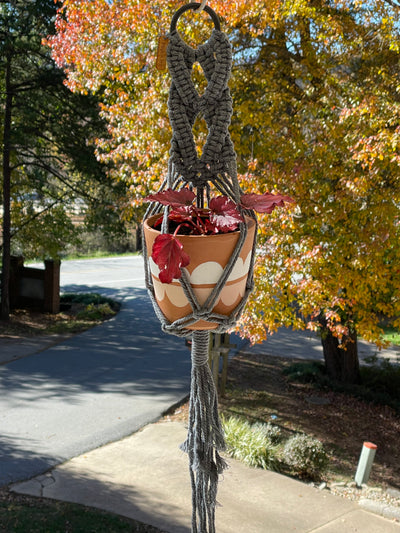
145 477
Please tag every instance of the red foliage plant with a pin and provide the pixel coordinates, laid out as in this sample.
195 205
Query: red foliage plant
185 218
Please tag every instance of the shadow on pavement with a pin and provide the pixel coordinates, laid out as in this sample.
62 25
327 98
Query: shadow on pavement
126 354
96 387
17 459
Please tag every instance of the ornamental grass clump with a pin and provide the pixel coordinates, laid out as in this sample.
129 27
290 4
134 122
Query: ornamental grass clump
251 444
305 455
272 433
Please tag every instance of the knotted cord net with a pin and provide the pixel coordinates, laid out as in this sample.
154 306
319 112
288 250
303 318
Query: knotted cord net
215 170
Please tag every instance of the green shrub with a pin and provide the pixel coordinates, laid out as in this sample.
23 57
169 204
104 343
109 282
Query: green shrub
305 455
90 306
251 444
85 298
96 243
95 312
306 372
392 335
382 378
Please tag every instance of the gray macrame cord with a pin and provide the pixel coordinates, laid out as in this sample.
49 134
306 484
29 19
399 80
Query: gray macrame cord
216 167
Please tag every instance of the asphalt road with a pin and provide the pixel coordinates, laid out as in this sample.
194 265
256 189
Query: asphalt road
114 275
96 387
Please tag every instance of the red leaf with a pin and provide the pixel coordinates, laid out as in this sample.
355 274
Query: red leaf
182 213
210 228
264 203
172 197
169 256
157 224
224 214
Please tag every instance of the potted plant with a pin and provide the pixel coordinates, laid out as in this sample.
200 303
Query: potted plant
202 241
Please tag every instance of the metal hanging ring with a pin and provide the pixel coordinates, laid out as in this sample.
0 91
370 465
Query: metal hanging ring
195 6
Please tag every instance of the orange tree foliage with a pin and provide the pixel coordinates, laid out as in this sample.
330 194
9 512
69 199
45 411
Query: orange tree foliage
316 115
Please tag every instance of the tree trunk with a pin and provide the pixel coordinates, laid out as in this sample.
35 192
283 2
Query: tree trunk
5 271
341 364
138 244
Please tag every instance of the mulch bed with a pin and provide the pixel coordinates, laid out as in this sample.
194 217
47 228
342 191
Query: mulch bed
258 388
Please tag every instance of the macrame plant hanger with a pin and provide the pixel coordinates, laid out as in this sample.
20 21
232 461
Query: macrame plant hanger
216 168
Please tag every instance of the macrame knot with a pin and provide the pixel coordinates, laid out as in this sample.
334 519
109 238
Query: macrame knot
200 349
215 105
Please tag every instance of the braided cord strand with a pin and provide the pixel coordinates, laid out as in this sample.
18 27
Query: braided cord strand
215 167
203 446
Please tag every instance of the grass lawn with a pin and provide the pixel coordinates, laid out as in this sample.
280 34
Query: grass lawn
24 514
97 255
392 335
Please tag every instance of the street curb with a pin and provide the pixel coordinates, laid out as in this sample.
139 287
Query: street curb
387 511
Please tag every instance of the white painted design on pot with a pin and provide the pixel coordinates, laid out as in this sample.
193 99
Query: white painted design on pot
211 271
206 273
231 293
174 293
240 269
203 279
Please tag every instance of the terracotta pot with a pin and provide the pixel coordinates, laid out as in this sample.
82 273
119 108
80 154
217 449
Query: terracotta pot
209 254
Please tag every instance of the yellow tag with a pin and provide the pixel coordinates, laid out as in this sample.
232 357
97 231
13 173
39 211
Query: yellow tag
161 61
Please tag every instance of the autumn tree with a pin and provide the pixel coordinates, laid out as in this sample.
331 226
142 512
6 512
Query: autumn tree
316 100
332 263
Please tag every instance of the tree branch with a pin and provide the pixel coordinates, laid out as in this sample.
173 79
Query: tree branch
393 4
38 162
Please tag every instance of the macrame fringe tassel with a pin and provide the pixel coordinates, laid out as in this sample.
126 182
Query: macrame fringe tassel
205 438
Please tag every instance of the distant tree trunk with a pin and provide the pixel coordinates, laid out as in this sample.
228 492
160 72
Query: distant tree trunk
139 244
5 271
342 364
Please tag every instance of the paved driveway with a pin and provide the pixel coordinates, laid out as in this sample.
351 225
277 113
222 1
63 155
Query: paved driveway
96 387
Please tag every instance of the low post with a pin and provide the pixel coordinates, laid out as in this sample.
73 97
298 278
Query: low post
16 264
219 347
52 286
365 463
